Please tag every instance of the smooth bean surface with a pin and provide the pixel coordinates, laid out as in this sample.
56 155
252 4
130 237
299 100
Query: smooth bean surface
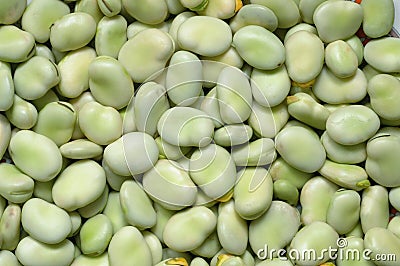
199 132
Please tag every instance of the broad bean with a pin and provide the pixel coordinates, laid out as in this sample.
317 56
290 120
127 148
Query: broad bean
146 53
267 230
344 211
128 247
95 235
58 223
232 229
136 205
304 56
179 234
316 236
170 185
32 252
10 227
77 28
39 74
109 82
327 13
267 51
211 43
32 152
11 12
37 19
204 133
286 11
297 145
254 188
16 45
377 26
374 208
81 183
315 198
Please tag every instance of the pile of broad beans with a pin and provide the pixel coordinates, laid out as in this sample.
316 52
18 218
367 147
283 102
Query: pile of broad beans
202 132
